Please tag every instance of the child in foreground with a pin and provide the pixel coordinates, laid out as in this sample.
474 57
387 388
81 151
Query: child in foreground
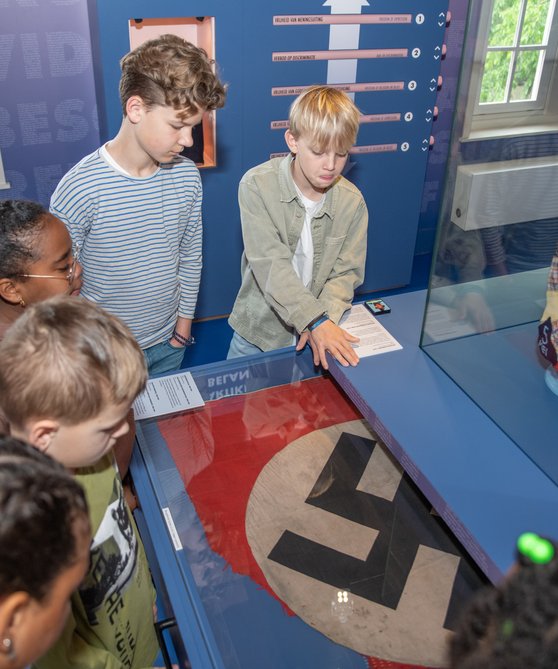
134 206
69 373
514 625
44 550
304 228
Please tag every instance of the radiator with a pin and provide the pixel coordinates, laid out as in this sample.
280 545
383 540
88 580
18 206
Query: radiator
506 192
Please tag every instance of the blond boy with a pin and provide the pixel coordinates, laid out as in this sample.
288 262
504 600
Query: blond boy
68 375
133 207
304 228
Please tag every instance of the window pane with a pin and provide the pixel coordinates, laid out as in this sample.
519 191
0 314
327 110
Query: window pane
505 15
535 21
523 86
495 76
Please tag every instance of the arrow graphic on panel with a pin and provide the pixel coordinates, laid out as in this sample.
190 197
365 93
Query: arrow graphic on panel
344 37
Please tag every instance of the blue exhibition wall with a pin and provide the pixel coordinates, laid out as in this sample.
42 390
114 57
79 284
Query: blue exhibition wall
266 52
48 112
385 55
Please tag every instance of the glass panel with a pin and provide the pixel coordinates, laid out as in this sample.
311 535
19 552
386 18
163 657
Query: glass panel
497 235
266 488
525 86
536 17
505 16
495 77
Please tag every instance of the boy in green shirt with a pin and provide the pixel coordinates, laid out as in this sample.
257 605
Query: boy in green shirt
304 228
69 373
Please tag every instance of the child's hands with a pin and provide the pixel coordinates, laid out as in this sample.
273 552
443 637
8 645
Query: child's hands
332 338
302 341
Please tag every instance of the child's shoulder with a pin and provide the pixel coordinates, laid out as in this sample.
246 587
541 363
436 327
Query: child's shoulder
269 169
102 487
102 469
347 189
87 162
181 169
82 170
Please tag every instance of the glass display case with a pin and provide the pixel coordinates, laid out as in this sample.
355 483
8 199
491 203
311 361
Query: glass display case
498 227
286 534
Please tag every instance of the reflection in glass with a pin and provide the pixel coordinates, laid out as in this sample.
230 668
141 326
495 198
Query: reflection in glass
497 235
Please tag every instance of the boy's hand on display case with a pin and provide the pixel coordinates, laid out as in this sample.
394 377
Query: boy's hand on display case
302 341
329 337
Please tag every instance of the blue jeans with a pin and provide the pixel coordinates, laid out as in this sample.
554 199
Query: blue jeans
163 357
240 347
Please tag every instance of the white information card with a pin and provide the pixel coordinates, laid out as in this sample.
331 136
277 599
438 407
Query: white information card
374 338
167 394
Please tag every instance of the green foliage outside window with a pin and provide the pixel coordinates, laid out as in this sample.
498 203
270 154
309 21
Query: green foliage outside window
509 50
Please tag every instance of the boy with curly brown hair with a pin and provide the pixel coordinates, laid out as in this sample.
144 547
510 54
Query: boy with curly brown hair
133 207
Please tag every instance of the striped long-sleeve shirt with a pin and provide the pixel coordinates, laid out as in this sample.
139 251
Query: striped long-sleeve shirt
140 241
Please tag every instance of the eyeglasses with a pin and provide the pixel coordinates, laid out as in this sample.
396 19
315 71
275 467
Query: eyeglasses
66 277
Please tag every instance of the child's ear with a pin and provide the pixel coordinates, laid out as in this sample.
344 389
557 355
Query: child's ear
9 291
40 433
135 107
13 610
291 141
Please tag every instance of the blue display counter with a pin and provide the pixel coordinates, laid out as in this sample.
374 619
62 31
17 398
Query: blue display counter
485 487
481 484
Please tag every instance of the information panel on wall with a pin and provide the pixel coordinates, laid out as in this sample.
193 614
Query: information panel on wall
386 55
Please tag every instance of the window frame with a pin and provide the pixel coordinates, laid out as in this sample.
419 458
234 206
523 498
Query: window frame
514 117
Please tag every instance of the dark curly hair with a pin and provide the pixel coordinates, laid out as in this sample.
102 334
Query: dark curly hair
21 222
513 625
41 508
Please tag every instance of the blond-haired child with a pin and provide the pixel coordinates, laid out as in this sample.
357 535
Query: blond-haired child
69 373
304 228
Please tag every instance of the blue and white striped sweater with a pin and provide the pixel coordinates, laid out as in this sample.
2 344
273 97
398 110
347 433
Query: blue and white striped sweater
140 241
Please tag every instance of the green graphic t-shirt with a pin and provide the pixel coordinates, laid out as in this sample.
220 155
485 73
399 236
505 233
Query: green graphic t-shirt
111 621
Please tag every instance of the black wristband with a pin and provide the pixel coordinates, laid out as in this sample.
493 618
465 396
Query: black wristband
185 341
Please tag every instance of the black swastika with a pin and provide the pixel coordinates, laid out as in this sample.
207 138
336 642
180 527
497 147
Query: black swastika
403 525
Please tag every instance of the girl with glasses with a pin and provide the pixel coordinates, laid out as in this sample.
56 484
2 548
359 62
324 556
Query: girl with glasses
37 260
